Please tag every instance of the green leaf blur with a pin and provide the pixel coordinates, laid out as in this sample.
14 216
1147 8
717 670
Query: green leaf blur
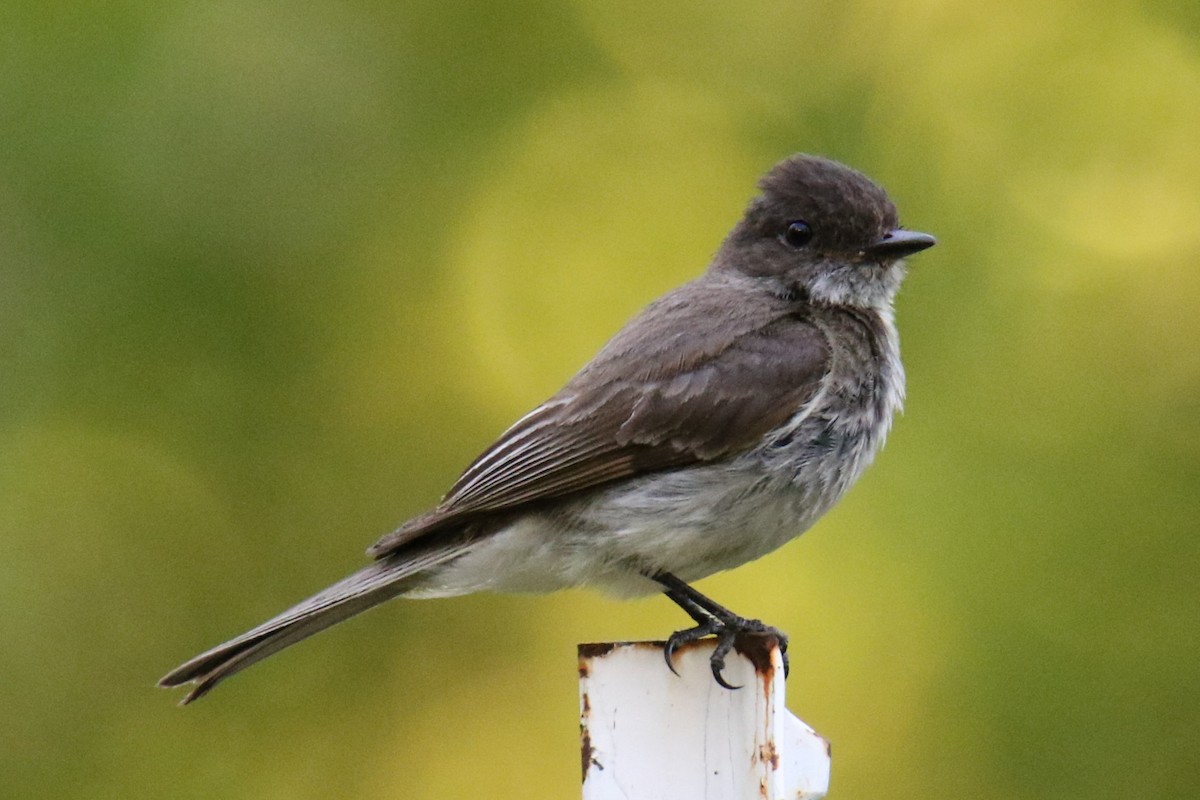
272 273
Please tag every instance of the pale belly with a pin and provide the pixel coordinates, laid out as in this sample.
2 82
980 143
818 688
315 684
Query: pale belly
691 522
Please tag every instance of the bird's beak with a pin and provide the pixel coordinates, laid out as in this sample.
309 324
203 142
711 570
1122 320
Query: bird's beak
899 243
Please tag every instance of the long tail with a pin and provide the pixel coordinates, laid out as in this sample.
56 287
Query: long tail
370 586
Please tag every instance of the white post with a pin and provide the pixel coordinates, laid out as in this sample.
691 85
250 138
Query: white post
648 734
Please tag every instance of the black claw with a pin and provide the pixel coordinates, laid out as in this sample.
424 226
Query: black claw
688 636
711 618
717 662
669 655
725 641
727 631
716 670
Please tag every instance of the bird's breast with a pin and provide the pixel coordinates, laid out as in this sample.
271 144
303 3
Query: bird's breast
826 444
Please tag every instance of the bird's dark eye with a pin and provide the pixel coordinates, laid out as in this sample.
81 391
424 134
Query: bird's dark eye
797 234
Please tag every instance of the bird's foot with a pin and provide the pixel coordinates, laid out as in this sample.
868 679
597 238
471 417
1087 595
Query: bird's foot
728 629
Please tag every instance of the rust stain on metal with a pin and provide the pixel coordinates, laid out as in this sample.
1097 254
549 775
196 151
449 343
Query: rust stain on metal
585 749
768 679
768 754
596 649
587 752
828 748
758 649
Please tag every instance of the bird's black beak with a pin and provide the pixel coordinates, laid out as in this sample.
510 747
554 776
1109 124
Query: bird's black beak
899 243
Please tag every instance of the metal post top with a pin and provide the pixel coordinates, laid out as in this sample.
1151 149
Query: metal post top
647 732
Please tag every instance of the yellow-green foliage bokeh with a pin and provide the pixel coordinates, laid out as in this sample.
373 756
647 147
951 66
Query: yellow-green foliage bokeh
272 273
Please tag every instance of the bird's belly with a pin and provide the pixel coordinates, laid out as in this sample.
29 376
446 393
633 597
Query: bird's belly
698 521
695 522
691 522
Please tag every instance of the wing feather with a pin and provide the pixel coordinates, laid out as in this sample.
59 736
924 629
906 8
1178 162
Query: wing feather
635 410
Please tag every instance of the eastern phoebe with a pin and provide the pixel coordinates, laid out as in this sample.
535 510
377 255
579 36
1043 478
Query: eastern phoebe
720 423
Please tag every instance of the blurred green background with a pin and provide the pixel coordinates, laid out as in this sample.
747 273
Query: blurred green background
272 273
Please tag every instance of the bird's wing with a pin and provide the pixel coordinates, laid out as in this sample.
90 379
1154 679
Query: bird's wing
681 400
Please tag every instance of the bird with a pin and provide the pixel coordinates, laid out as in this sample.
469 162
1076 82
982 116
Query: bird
717 425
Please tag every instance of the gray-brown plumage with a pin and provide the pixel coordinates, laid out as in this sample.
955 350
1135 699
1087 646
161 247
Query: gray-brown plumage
720 423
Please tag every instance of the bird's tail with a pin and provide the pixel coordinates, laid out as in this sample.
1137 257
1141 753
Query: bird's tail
370 586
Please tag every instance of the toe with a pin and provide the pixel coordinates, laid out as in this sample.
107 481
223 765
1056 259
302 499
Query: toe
720 679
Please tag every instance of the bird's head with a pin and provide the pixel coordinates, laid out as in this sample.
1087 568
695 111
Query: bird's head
824 232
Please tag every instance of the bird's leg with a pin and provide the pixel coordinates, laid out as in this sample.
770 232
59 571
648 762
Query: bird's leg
706 624
712 619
